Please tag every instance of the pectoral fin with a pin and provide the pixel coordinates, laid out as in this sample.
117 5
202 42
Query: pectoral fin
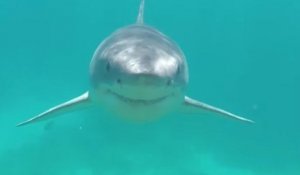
200 107
71 105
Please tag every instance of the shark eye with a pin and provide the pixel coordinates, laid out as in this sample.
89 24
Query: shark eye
107 67
169 82
178 70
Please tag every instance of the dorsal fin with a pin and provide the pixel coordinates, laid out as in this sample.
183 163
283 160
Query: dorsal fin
140 18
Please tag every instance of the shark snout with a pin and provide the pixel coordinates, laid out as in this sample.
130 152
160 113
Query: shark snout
145 80
142 86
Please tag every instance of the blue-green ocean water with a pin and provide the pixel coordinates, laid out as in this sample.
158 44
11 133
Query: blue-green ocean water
243 55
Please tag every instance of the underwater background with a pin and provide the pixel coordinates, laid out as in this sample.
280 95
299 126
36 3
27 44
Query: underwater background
243 55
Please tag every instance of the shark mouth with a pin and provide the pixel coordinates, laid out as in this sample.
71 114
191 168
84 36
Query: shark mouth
138 101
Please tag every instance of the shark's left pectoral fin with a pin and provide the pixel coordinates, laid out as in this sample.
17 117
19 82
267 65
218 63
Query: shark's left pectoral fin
71 105
200 107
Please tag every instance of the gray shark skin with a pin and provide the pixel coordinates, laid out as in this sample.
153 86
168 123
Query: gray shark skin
137 73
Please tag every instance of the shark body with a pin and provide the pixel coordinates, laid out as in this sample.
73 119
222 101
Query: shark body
138 73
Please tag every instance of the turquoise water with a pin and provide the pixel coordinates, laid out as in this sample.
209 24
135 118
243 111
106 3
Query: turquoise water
243 56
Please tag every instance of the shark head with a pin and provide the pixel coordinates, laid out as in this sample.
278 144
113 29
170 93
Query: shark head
139 65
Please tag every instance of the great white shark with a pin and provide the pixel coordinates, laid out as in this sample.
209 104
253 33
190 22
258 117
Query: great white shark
138 73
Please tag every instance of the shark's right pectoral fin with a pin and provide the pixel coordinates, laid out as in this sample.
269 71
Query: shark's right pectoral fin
195 106
79 102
